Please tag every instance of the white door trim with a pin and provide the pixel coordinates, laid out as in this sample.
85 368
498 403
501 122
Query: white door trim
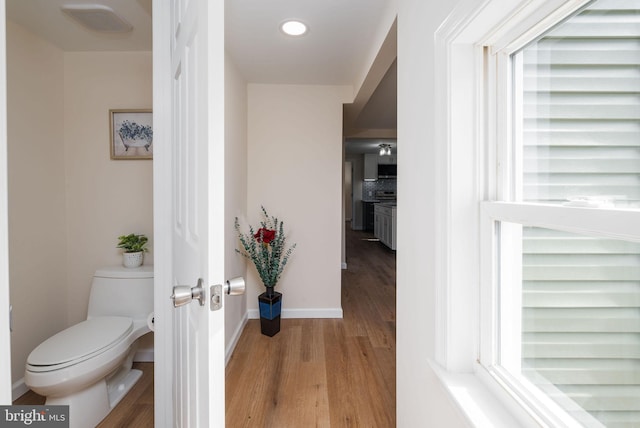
163 407
5 337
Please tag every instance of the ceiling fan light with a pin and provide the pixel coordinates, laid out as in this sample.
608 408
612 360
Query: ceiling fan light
385 149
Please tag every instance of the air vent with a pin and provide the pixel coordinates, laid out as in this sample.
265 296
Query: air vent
97 17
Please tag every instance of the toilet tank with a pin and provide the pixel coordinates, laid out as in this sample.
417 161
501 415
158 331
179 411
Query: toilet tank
120 291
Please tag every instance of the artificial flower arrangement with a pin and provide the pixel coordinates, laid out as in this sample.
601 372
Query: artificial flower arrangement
266 249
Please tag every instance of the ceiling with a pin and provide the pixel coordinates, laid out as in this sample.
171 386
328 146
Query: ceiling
335 51
359 146
44 18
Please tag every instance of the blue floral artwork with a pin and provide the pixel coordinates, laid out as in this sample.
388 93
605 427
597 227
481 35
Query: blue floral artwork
131 134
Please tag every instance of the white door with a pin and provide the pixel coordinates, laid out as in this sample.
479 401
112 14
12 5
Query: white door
188 209
5 342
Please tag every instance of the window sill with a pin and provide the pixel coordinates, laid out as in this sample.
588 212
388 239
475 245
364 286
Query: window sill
478 403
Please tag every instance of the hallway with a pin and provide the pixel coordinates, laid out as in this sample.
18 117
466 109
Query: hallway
324 372
315 372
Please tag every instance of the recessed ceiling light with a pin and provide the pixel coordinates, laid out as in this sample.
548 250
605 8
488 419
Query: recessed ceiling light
293 28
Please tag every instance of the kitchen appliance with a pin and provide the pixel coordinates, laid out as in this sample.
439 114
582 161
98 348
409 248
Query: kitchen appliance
368 207
387 170
386 195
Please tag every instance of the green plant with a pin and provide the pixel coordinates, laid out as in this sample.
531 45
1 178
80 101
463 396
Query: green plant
266 248
133 243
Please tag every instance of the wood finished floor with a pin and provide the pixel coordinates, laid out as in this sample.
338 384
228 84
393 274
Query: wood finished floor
324 372
315 372
134 411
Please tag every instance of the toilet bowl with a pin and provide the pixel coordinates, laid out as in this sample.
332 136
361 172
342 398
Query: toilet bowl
88 365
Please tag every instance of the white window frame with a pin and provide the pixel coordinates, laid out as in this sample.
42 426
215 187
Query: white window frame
602 223
472 156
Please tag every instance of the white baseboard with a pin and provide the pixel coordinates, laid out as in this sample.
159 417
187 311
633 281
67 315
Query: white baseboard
234 339
254 314
18 389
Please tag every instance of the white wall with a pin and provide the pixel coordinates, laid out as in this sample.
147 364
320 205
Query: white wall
235 307
295 170
37 223
105 198
421 399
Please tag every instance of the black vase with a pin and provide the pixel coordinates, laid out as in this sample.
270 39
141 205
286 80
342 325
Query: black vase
270 303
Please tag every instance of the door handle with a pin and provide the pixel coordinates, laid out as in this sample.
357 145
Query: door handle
235 286
183 294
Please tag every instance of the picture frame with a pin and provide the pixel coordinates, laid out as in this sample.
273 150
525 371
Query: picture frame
131 134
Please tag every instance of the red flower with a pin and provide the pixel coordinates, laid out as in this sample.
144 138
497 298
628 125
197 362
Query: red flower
265 235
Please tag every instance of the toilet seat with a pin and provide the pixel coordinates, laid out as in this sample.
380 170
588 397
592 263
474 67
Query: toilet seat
79 343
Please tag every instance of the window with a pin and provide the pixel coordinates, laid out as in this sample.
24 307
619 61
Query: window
576 99
562 237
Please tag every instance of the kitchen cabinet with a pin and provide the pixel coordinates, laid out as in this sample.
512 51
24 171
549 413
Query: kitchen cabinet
387 159
370 167
385 224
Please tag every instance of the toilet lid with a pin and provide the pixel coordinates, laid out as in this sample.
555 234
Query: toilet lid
80 341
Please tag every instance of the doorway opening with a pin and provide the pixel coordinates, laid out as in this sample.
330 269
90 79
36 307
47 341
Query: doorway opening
68 199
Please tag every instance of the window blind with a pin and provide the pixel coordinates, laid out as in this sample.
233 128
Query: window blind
580 125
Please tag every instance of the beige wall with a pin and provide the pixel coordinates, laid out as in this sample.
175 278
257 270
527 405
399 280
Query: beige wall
235 307
37 223
295 171
105 198
68 201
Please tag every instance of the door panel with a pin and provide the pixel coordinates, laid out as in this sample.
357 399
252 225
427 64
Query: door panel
189 185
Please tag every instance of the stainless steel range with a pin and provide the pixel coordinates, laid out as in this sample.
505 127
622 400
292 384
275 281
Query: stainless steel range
386 195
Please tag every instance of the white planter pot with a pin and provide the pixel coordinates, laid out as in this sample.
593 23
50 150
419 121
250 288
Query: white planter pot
132 260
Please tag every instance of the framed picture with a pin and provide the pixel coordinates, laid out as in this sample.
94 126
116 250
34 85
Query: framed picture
131 134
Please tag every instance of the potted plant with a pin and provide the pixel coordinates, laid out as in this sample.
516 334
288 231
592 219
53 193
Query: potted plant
134 247
267 250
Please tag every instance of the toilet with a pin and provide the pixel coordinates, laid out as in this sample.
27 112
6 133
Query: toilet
88 365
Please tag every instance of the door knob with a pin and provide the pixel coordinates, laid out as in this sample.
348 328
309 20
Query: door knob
235 286
231 287
183 294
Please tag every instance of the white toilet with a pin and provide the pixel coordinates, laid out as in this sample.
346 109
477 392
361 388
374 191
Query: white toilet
88 365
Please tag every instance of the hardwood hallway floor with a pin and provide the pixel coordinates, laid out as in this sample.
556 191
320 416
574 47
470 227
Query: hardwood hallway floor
324 372
315 372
